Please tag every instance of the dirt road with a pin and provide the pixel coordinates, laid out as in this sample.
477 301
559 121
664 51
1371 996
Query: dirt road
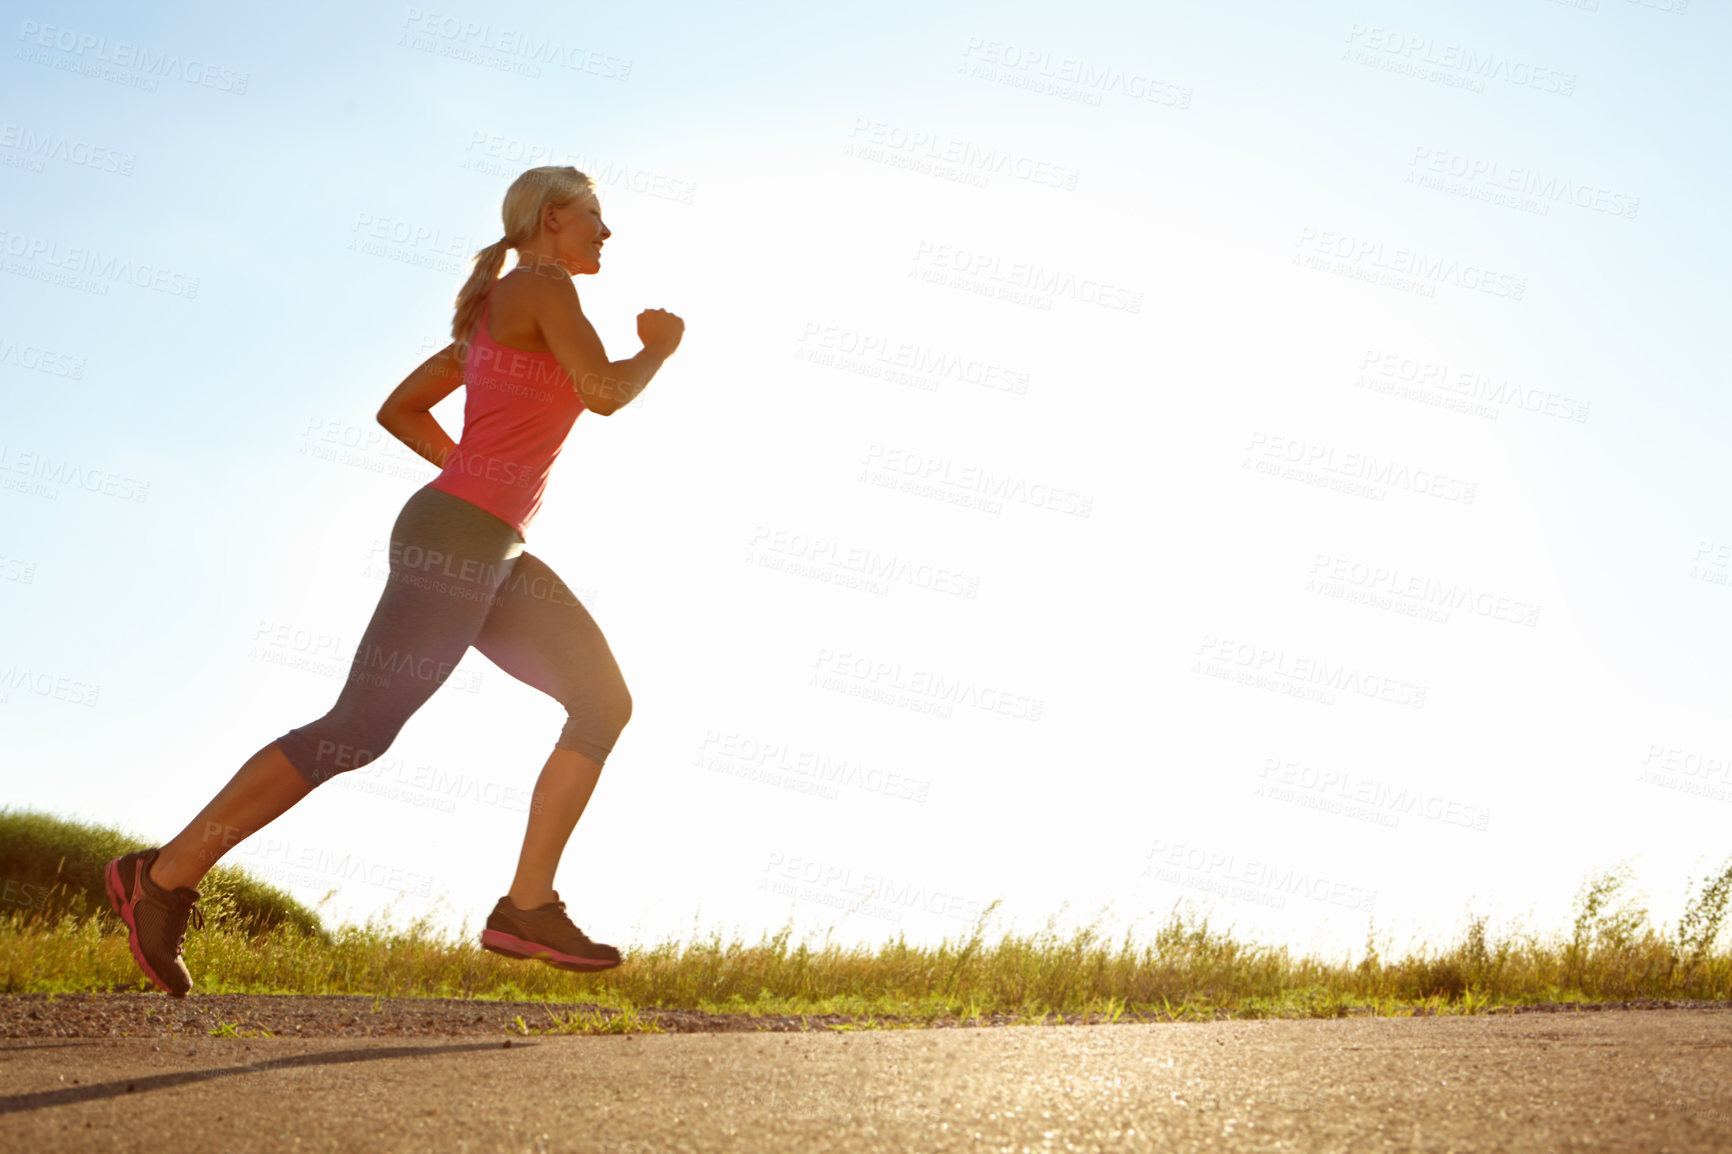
1638 1081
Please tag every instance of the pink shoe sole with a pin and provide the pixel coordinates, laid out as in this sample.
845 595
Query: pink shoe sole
513 946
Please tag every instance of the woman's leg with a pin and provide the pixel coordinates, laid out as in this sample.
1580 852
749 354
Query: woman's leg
542 635
264 789
448 558
561 793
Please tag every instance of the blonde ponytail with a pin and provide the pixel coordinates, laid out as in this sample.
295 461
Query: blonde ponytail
531 192
473 295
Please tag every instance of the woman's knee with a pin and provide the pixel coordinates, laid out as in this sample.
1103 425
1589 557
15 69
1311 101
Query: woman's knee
596 715
322 749
622 703
613 706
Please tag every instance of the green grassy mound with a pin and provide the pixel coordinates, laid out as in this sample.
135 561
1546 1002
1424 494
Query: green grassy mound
52 869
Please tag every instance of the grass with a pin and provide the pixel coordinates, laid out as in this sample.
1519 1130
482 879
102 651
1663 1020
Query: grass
236 1030
50 867
255 940
624 1020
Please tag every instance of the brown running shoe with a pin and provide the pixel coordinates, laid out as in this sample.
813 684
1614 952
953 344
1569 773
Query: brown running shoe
545 933
155 918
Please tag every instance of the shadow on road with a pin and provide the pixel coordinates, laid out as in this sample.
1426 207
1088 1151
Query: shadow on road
41 1099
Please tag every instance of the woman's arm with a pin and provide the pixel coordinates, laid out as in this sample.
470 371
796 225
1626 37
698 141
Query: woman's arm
605 386
405 413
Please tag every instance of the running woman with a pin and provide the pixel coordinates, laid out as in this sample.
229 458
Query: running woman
530 363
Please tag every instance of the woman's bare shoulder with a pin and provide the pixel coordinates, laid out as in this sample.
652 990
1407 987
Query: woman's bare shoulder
535 291
520 307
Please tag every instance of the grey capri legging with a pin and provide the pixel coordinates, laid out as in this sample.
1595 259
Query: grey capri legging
459 577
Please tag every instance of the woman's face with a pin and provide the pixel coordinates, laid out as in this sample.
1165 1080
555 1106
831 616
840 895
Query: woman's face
578 233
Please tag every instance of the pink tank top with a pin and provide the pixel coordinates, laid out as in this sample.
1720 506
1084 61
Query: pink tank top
518 408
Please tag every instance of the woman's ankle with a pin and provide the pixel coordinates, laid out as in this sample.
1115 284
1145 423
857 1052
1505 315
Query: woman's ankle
531 901
168 874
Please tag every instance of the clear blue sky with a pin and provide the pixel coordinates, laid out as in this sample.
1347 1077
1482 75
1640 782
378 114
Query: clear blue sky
1261 454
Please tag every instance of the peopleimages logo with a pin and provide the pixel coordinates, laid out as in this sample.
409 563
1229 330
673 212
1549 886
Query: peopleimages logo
853 350
1410 263
1423 595
890 891
277 858
1349 470
447 34
794 547
1067 76
41 146
41 360
804 770
61 471
1549 188
1405 51
495 154
122 54
1306 676
90 262
47 684
868 138
891 461
928 690
989 267
1259 881
1461 388
1340 791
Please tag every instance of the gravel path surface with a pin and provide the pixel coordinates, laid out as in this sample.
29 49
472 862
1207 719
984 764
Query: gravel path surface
151 1015
332 1016
154 1015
